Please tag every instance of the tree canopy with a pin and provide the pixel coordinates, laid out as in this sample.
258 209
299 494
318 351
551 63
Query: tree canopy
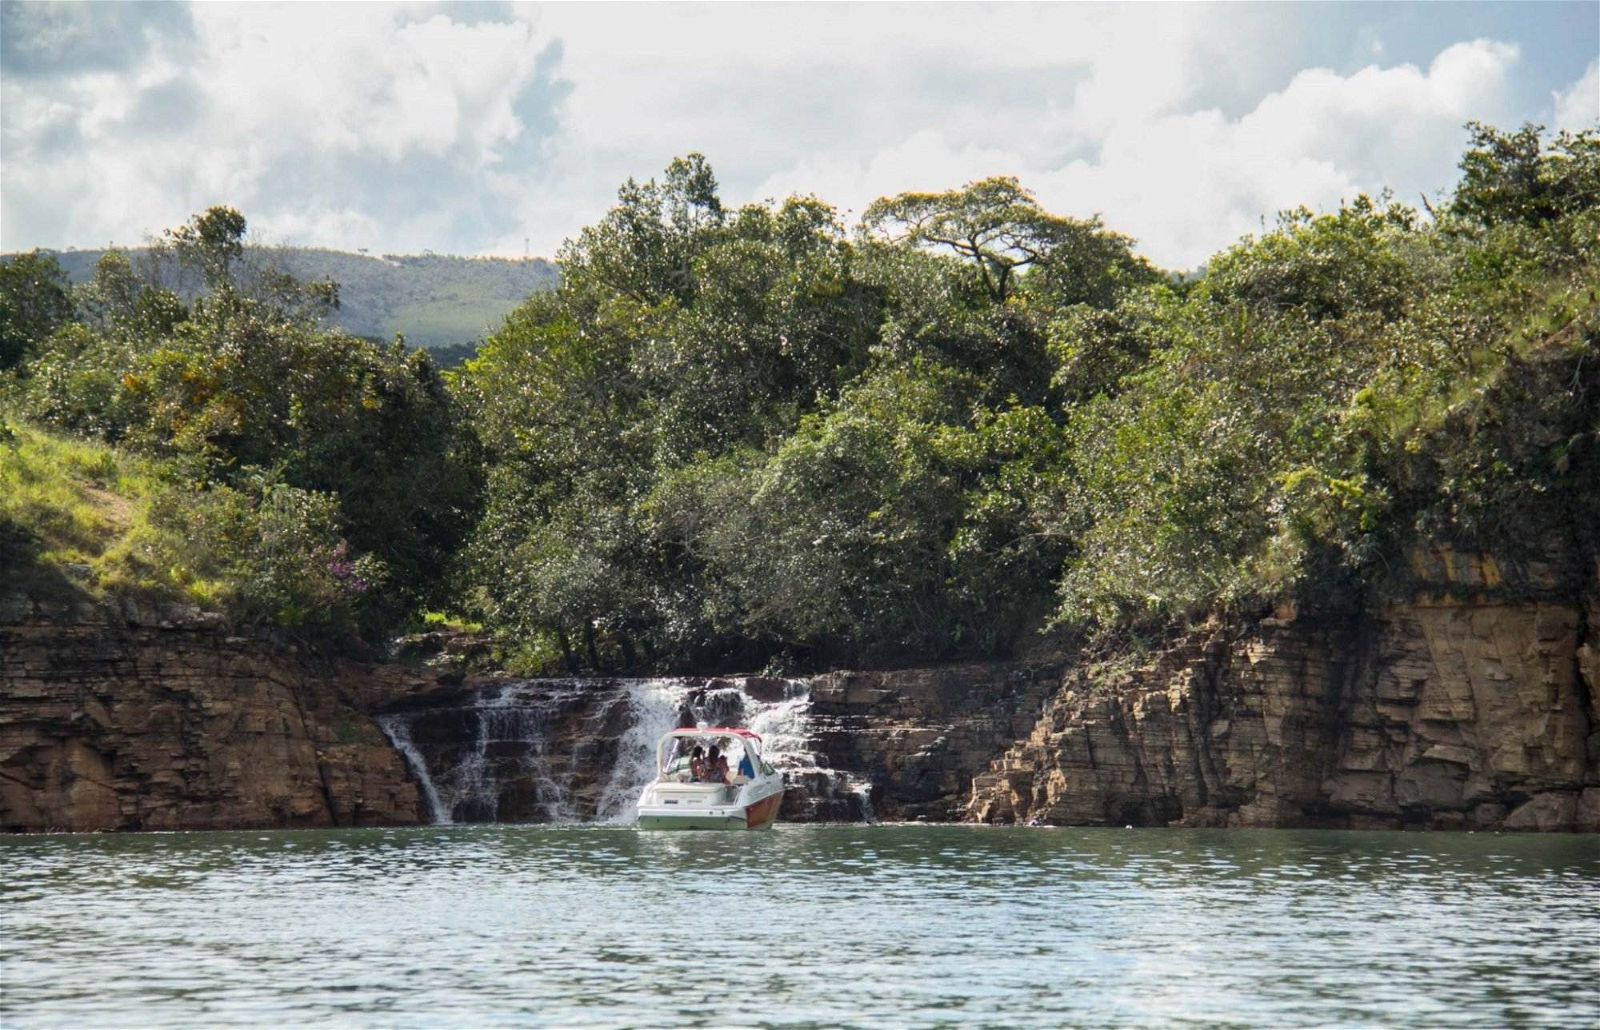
1001 229
759 437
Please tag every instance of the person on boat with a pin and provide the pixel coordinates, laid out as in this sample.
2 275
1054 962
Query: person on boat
716 766
697 764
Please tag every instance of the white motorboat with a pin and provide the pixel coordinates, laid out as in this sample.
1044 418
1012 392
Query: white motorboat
679 799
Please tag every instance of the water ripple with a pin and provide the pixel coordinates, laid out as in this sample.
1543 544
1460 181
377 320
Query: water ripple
804 926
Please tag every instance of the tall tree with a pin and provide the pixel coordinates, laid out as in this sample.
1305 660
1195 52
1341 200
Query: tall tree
210 243
1000 227
645 247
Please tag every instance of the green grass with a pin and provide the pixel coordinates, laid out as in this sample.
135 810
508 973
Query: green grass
439 620
439 321
76 522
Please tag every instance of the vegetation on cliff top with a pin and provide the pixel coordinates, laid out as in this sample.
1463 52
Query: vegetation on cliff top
755 436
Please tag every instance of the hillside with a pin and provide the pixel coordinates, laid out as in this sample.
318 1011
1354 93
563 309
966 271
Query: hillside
437 301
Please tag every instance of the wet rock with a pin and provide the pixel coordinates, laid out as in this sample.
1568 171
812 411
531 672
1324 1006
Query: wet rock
766 689
919 736
560 750
1586 818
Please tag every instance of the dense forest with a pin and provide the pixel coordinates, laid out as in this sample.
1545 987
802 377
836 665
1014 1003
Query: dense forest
758 437
443 303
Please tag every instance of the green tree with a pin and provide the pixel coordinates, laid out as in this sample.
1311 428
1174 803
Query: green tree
1326 266
210 243
35 300
645 247
777 326
243 382
369 425
999 227
1514 177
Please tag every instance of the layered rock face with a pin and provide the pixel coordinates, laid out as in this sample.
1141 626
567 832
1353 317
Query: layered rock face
921 735
1443 712
530 751
166 723
1460 708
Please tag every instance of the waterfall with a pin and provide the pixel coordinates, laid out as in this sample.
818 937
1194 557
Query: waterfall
581 750
654 707
398 730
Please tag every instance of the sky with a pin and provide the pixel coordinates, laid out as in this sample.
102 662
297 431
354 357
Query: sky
490 128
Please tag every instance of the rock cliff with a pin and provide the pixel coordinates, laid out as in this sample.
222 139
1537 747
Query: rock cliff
515 751
1457 709
1467 706
115 720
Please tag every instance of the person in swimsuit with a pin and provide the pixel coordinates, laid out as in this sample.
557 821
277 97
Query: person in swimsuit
697 764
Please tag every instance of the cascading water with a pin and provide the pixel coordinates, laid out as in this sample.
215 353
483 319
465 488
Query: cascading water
654 707
398 730
581 750
489 759
816 791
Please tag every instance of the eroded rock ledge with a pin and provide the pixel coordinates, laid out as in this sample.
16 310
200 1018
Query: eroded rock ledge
919 736
1440 713
121 719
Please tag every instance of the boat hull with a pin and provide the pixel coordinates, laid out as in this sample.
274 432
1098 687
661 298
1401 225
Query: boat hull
762 814
756 815
692 821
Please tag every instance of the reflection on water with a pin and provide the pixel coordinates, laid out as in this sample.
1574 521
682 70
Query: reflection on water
810 925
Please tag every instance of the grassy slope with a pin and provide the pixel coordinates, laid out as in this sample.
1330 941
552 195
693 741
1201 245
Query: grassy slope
75 523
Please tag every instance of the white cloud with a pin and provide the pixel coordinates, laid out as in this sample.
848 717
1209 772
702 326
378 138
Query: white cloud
773 93
446 127
1578 106
1187 183
329 123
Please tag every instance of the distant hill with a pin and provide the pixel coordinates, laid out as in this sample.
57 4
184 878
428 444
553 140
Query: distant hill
436 301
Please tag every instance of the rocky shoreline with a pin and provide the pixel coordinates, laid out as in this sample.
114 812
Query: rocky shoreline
113 718
1459 709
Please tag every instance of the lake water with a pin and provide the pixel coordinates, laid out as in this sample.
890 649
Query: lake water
803 926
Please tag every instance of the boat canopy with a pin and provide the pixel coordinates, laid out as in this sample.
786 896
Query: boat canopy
750 742
715 731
